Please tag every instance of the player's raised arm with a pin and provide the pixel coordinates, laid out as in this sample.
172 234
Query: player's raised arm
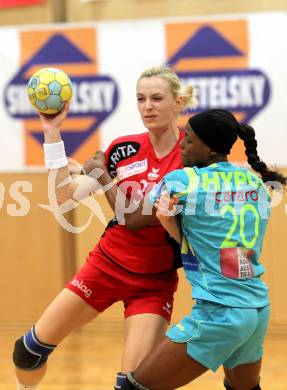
55 155
66 187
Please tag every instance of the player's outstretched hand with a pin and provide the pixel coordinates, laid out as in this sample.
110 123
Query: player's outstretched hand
92 165
51 122
165 205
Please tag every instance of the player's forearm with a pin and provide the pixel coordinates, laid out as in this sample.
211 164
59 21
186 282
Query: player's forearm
139 215
132 215
63 184
171 225
51 135
110 189
127 213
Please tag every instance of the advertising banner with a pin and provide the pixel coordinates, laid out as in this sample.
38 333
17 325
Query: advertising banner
238 63
17 3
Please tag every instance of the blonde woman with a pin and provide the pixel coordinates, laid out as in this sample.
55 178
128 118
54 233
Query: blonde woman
135 267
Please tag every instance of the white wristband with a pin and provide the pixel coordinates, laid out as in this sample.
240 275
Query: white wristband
55 155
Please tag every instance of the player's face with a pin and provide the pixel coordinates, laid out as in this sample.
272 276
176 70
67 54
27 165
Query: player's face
157 106
193 150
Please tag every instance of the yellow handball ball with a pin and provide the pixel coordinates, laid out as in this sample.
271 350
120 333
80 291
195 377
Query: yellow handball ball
49 89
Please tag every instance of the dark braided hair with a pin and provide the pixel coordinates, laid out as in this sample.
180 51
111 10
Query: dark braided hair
219 129
247 134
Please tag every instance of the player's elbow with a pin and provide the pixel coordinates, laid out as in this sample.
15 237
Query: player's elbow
131 222
133 225
134 221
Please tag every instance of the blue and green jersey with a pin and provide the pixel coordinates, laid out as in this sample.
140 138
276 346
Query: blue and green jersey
224 210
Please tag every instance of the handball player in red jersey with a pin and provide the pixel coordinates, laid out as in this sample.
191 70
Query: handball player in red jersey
137 267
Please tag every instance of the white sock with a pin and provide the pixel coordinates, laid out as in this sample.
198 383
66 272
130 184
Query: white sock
24 387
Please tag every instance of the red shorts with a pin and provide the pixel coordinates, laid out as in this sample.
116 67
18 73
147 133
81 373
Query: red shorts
100 283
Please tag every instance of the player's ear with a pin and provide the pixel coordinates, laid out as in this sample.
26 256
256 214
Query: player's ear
179 102
212 153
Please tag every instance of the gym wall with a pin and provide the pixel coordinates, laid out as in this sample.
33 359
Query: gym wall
37 254
78 11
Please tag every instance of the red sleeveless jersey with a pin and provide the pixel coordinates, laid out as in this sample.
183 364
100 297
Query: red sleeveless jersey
147 250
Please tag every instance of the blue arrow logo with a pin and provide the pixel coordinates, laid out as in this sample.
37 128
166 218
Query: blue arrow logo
94 96
237 90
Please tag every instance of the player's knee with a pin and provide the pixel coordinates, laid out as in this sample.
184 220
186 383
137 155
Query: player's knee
30 353
131 384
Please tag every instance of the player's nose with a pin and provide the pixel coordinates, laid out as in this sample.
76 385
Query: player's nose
148 104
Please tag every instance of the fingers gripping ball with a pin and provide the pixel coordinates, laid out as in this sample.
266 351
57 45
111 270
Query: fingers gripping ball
49 89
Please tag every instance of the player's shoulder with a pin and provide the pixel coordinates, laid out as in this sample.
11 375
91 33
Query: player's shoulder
124 148
140 137
127 145
182 181
183 175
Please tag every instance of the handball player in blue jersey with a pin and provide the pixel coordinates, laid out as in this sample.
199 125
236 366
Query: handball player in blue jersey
218 211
